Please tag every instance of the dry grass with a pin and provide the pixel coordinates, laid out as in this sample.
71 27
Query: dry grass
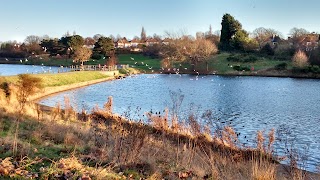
106 144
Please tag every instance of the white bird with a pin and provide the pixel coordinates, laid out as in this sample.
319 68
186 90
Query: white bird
185 68
150 67
21 60
104 57
7 59
135 62
132 58
142 63
26 60
147 65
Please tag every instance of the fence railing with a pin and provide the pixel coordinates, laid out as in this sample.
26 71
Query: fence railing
97 67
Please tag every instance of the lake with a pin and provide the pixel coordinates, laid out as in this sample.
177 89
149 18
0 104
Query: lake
14 69
248 104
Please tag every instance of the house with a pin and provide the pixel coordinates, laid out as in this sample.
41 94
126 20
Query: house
135 42
122 43
166 41
306 42
151 41
310 42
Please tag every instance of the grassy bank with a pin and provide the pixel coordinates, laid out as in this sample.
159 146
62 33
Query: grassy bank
51 80
54 143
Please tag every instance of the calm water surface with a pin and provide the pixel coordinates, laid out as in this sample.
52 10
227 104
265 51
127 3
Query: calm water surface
291 106
14 69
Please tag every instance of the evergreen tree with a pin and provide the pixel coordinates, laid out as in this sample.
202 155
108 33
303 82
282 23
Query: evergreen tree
143 34
229 28
104 46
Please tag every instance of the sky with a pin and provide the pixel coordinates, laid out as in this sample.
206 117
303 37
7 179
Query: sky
20 18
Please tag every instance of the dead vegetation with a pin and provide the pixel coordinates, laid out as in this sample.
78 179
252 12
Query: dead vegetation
55 143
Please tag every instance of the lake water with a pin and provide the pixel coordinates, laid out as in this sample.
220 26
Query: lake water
14 69
249 104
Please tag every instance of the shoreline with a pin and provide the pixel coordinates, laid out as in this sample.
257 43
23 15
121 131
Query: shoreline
48 91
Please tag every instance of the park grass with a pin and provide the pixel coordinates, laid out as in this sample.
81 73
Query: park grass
60 79
219 64
153 63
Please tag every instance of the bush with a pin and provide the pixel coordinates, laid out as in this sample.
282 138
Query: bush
267 50
97 56
250 59
300 59
314 69
242 58
233 59
314 58
241 68
281 66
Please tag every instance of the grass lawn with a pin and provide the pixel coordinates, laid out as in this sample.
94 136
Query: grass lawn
50 80
219 63
140 62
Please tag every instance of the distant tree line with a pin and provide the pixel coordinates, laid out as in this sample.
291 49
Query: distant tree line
178 47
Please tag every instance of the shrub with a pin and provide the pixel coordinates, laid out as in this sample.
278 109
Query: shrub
314 58
97 56
233 59
250 59
241 68
281 66
267 50
314 69
242 58
300 59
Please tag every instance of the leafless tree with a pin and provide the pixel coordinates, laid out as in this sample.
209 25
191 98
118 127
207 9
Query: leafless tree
81 54
97 36
262 35
186 48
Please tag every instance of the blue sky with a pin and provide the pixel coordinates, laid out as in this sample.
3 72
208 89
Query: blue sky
20 18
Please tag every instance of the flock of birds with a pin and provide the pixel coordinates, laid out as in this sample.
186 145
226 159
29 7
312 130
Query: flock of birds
171 71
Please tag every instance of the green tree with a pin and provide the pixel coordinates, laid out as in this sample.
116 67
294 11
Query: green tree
104 46
143 34
241 37
230 26
52 46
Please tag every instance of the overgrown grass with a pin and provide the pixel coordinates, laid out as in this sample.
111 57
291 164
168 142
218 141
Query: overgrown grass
51 80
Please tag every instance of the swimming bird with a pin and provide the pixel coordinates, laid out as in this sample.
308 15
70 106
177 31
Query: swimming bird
132 58
21 60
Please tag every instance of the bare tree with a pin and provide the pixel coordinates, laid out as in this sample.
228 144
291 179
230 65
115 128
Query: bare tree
82 54
97 36
262 35
199 35
32 39
89 41
186 48
298 32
